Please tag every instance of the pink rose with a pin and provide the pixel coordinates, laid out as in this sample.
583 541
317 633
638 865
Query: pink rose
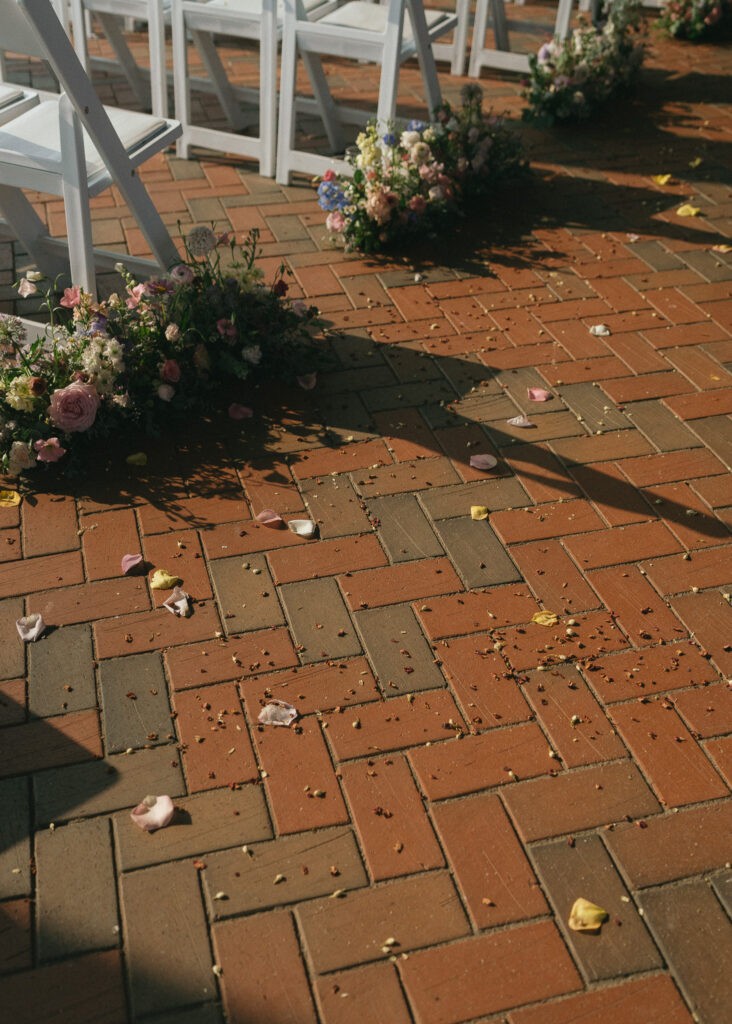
49 450
74 408
240 412
335 221
417 204
330 175
71 297
170 371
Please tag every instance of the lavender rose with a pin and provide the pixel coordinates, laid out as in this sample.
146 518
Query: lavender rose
74 408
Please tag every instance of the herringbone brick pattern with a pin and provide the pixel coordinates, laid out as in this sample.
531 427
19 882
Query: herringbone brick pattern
459 775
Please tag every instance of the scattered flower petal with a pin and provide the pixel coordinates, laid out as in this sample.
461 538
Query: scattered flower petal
307 381
179 603
687 210
30 627
521 421
478 512
138 459
240 412
545 618
484 462
8 499
539 394
153 813
162 580
277 712
586 917
600 330
130 563
661 179
723 247
697 160
632 237
268 517
302 527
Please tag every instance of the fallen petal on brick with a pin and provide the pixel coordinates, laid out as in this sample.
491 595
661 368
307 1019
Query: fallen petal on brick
539 394
307 381
8 499
179 603
478 512
162 580
153 813
130 563
483 461
661 179
268 517
302 527
521 421
687 210
586 917
240 412
600 330
723 247
545 618
30 627
138 459
277 712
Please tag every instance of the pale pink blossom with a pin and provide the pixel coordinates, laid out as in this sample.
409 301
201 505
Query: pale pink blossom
166 392
335 221
26 288
136 294
170 371
172 332
74 408
299 308
417 204
268 517
181 274
49 450
71 297
154 812
240 412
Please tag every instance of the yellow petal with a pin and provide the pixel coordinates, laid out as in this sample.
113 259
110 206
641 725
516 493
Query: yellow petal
695 162
478 512
687 210
586 917
138 459
162 580
723 247
545 618
661 179
9 498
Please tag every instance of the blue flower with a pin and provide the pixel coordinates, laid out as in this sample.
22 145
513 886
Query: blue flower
330 196
390 139
415 126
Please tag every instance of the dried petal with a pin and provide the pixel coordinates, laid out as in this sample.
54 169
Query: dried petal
600 330
302 527
9 499
277 712
162 580
521 421
687 210
545 618
154 812
661 179
586 917
307 381
138 459
484 462
30 627
179 603
539 394
240 412
478 512
130 563
268 517
723 247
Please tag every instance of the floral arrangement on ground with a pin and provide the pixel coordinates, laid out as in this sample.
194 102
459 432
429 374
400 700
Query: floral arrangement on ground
406 183
696 19
570 79
172 344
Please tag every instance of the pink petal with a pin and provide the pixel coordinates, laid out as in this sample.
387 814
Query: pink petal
268 517
30 627
179 603
277 712
307 381
302 527
154 812
130 563
240 412
484 462
521 421
539 394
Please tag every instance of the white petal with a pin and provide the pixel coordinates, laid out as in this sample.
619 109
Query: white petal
600 330
154 812
30 627
302 527
521 421
277 712
179 603
484 462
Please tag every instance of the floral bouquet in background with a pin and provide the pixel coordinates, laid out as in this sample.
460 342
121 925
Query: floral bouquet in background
696 19
406 182
173 343
569 80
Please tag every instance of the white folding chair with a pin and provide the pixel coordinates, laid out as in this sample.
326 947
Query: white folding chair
387 34
69 145
14 100
454 52
500 55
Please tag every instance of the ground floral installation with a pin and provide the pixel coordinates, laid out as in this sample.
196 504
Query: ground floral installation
408 182
171 344
569 80
696 19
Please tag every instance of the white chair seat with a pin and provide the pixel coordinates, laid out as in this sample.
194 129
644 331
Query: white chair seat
9 94
253 8
359 14
36 134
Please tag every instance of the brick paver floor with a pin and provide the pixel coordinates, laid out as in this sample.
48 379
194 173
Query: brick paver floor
409 851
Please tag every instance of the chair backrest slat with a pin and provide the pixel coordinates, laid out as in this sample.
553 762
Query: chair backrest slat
16 33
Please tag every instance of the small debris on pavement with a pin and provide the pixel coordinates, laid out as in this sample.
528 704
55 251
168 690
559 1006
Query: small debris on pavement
277 712
586 917
153 813
163 580
30 627
179 603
